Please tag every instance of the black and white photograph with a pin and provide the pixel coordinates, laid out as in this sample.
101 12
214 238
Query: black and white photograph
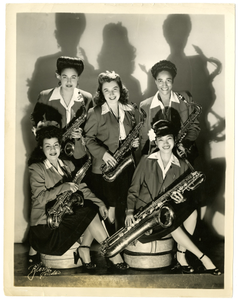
119 150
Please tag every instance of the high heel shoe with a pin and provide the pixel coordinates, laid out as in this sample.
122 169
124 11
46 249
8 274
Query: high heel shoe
119 266
88 266
185 269
33 259
214 271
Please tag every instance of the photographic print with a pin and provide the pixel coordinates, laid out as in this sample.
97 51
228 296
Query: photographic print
119 165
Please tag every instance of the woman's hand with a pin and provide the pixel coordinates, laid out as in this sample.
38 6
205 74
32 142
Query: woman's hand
181 150
129 220
77 133
177 197
135 143
109 159
103 211
71 186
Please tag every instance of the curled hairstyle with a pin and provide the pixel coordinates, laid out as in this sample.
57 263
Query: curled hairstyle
164 65
107 76
64 62
46 132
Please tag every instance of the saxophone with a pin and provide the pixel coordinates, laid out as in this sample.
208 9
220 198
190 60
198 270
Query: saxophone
67 142
68 199
110 173
159 212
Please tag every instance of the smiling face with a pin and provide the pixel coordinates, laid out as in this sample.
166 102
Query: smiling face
165 143
68 78
51 149
111 91
164 82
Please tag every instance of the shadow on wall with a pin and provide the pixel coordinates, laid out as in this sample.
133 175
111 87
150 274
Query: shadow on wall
117 54
193 76
69 28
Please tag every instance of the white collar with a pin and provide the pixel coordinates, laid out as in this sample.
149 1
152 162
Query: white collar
173 160
56 95
122 108
48 165
156 102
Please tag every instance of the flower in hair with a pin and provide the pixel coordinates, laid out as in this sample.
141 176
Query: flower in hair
112 74
44 124
151 135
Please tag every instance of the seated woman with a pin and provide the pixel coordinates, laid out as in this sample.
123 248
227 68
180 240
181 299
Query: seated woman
50 176
154 173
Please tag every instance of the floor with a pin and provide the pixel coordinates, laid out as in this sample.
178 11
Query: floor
131 278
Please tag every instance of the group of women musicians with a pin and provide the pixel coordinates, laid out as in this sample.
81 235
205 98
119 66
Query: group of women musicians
109 120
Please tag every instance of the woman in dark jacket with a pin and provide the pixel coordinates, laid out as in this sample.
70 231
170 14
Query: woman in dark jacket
107 126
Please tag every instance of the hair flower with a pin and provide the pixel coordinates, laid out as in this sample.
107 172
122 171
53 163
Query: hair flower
151 135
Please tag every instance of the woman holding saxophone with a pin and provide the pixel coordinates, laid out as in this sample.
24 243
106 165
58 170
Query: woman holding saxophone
65 103
154 173
168 105
50 177
107 126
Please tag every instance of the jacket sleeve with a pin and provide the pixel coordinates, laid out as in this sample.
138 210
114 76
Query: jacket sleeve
40 194
136 183
91 130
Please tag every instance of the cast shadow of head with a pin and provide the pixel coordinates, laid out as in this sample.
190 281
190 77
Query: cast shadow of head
117 54
69 28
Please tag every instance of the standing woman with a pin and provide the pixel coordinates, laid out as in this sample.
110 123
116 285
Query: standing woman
168 105
107 126
63 104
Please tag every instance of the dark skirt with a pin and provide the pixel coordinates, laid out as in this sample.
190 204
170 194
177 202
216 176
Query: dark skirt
114 193
181 212
57 241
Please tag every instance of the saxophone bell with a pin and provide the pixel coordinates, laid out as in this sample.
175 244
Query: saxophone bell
165 216
69 148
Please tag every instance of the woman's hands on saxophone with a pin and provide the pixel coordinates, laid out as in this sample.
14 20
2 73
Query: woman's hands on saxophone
181 150
77 133
71 186
129 218
177 197
135 143
109 159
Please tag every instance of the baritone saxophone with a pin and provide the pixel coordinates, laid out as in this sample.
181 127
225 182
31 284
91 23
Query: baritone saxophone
159 212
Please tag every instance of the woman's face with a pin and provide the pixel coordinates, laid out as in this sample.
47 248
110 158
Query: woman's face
111 91
165 143
164 82
51 149
69 78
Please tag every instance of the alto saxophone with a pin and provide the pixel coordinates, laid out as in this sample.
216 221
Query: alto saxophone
67 142
68 199
186 125
110 173
159 212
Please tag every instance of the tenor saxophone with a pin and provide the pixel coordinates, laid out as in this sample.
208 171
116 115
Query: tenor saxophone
67 142
159 212
110 173
65 201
